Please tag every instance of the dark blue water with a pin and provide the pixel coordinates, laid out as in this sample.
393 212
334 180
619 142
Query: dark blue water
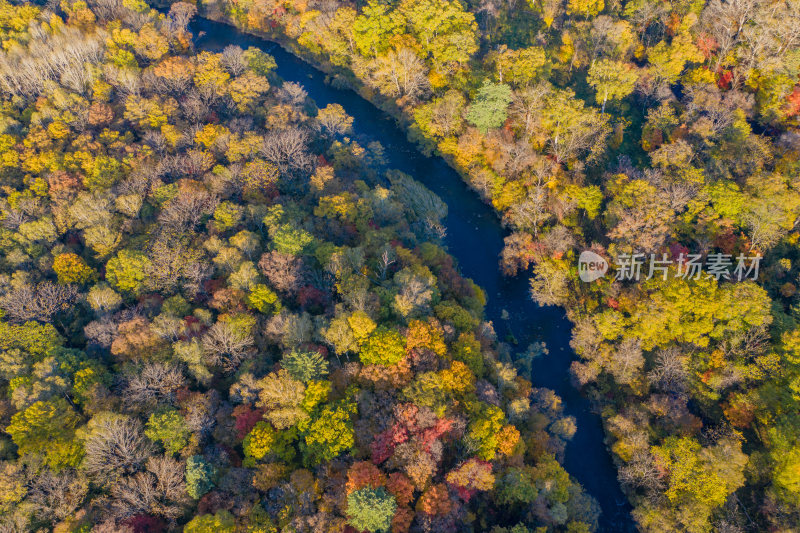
475 239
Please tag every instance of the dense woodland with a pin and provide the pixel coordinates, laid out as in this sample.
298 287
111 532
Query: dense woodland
638 126
220 313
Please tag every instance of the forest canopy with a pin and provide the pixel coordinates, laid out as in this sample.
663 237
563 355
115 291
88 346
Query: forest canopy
219 311
627 127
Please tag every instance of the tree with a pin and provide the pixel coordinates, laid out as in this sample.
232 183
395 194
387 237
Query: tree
441 117
199 476
371 509
281 396
169 428
786 477
611 79
573 129
669 60
227 345
334 120
549 283
127 271
290 240
486 423
401 73
71 268
435 501
227 215
445 30
48 428
700 478
153 384
305 366
521 67
180 13
585 8
264 300
488 109
158 490
220 522
383 347
245 90
41 303
373 29
259 441
284 271
115 446
515 487
329 434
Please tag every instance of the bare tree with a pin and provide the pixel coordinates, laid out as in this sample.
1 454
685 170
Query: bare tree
526 107
66 55
180 13
285 272
627 361
669 371
116 447
226 347
531 213
286 149
233 60
107 10
292 94
127 81
159 490
386 260
56 496
642 472
26 303
401 74
155 383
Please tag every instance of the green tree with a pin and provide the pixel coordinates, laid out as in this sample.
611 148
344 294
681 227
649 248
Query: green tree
520 67
383 347
329 434
258 61
700 479
515 487
199 475
612 79
371 509
305 366
288 239
444 28
220 522
227 215
127 271
48 428
263 299
169 428
488 109
374 28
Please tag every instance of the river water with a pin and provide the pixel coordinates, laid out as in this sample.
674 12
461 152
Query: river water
475 238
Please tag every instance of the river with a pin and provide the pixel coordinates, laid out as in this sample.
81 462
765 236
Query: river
475 238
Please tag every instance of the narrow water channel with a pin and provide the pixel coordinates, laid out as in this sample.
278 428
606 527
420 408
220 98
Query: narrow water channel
475 239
